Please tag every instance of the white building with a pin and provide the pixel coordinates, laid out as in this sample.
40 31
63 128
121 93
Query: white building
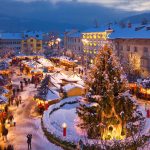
92 40
73 44
10 42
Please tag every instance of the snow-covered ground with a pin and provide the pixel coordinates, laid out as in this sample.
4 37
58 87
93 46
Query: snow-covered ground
144 106
27 122
67 114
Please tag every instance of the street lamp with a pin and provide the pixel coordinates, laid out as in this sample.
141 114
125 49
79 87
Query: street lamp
58 40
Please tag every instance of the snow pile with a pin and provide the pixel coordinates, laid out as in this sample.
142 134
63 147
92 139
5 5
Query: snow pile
52 95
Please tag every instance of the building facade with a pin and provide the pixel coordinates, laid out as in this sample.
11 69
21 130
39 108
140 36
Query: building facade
31 42
134 54
133 49
10 43
93 39
26 42
73 44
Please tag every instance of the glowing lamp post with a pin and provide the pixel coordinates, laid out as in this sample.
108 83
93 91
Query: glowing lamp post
64 126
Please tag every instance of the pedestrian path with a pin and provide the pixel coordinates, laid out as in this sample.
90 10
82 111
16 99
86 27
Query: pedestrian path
26 123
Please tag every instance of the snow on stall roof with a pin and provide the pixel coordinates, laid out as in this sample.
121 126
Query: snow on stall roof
74 77
59 75
66 58
52 95
45 62
70 86
3 99
3 65
37 70
3 90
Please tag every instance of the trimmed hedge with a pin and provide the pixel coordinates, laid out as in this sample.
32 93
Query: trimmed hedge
71 146
57 141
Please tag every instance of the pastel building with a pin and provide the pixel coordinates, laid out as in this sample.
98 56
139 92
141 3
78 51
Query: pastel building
73 44
31 42
92 40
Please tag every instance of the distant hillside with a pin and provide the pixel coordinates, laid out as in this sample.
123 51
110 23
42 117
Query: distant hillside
14 24
138 18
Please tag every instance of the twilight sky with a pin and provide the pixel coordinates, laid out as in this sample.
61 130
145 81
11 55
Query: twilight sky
23 14
133 5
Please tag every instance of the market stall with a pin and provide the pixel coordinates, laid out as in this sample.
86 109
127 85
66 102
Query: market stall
73 89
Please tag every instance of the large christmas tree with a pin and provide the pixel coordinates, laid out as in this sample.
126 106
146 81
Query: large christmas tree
108 108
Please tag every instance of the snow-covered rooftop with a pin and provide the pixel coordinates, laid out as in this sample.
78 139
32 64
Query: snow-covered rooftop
135 31
75 35
99 29
11 36
34 34
70 86
3 100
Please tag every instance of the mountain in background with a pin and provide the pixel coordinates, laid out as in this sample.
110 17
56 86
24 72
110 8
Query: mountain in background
17 15
137 18
14 24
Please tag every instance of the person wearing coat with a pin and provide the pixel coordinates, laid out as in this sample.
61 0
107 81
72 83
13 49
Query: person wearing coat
4 133
1 126
29 139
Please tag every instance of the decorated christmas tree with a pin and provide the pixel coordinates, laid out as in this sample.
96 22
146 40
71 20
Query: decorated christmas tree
108 108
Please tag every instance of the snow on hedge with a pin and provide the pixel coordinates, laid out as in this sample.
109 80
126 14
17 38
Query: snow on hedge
67 113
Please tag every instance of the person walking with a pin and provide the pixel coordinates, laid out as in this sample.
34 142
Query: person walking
17 102
29 139
81 144
14 92
11 117
20 99
21 85
4 134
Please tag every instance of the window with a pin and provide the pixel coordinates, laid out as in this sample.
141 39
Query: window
135 49
31 40
38 45
145 50
128 48
121 47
